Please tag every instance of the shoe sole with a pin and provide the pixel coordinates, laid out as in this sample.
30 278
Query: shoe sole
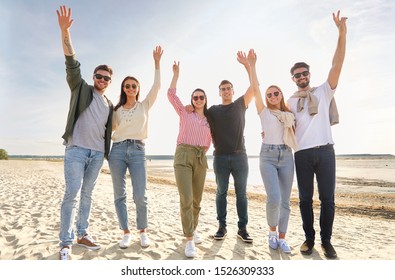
90 248
245 240
219 237
330 256
191 256
307 253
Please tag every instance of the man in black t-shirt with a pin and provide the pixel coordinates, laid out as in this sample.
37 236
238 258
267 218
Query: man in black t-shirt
227 122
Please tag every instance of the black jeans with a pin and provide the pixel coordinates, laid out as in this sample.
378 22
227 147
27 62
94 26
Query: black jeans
321 162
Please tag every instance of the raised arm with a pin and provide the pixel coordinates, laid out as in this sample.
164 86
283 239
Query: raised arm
252 58
176 73
171 93
157 53
338 58
65 22
153 93
249 95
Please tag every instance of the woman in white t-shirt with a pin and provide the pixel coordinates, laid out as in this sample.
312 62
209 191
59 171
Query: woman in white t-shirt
276 158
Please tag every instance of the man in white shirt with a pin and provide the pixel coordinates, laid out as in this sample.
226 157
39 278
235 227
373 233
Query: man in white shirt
316 155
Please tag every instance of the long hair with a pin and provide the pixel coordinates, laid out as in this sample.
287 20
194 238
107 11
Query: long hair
205 110
122 97
283 107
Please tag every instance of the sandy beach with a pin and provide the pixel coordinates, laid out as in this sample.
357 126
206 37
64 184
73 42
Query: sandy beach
31 192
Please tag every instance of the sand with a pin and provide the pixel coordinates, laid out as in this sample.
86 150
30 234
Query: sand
31 192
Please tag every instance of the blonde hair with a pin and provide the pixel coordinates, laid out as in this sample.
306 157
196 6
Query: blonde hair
283 107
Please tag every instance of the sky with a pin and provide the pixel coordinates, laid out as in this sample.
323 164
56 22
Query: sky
204 36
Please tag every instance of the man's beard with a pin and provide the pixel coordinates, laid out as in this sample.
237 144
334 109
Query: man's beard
303 84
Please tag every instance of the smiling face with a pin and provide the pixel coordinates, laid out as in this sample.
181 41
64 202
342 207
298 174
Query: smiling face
274 97
101 80
226 92
301 76
131 88
198 99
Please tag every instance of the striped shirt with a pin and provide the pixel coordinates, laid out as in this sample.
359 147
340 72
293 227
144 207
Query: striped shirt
194 130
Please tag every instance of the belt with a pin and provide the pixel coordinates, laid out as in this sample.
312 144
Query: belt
199 151
132 141
322 146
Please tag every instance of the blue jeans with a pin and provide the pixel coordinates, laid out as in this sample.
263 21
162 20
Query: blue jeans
277 170
129 154
81 168
237 165
321 162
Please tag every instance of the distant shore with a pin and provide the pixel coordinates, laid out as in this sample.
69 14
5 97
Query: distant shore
166 157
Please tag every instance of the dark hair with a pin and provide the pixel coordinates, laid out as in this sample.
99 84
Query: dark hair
300 65
103 67
205 110
123 98
224 82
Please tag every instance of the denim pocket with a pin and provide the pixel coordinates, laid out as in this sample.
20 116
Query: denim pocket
140 146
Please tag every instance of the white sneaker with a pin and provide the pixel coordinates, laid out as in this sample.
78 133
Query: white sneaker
273 240
190 250
64 254
284 246
126 241
144 240
196 238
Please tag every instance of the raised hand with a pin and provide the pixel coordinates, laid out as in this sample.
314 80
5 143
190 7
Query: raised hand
242 58
157 53
64 18
251 57
340 22
176 68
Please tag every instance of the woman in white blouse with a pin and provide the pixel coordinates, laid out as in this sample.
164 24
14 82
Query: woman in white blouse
128 152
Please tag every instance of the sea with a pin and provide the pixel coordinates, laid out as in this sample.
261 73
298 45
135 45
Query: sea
368 167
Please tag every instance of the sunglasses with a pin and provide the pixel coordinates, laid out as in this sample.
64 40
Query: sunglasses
196 98
276 93
225 88
298 75
133 86
99 77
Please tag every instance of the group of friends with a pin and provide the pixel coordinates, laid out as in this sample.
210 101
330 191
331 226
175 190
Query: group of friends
295 135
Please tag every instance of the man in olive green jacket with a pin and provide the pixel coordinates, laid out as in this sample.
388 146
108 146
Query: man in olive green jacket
87 138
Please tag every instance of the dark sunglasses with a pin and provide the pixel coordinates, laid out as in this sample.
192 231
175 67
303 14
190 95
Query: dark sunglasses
298 75
133 86
276 93
99 77
196 98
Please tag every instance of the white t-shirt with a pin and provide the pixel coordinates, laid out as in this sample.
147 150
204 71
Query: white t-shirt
272 128
312 131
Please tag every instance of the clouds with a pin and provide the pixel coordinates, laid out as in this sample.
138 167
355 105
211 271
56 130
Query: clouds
204 36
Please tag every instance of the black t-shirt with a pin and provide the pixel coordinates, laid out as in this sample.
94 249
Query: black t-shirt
227 124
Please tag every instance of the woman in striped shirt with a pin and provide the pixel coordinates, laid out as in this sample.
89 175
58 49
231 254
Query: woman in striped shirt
190 162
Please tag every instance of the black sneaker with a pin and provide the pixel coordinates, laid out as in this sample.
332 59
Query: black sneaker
243 235
328 249
221 233
307 247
